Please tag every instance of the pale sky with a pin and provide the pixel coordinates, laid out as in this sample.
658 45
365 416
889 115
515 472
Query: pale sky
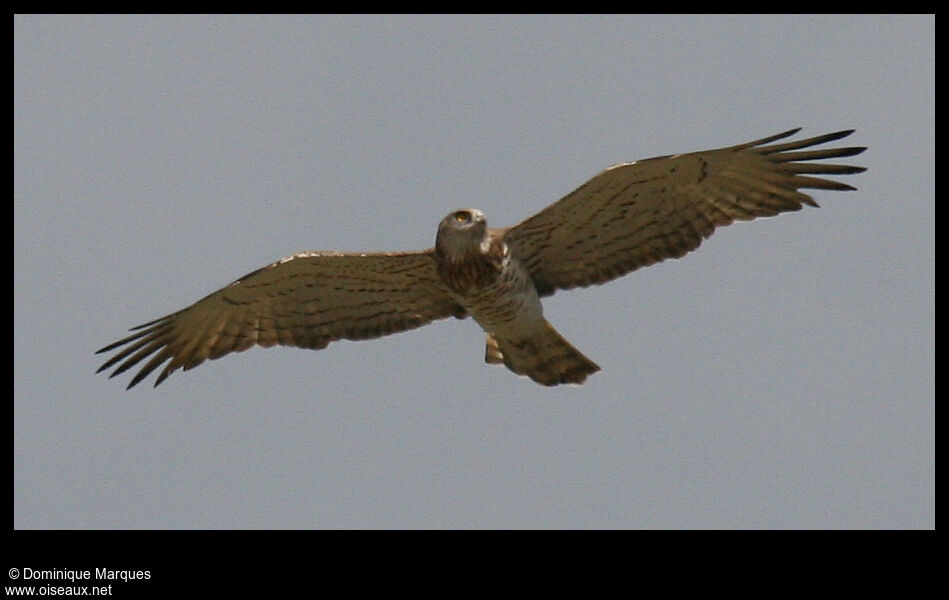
780 377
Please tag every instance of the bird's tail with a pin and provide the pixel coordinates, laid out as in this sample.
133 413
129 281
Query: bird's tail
545 356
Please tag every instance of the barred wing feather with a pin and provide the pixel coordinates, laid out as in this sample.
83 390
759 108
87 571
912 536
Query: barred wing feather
636 214
306 300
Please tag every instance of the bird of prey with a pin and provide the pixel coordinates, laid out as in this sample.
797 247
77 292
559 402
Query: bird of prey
629 216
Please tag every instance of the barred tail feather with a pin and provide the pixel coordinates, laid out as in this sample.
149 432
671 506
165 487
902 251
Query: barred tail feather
546 357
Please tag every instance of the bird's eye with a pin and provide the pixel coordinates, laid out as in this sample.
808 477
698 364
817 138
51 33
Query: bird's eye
461 216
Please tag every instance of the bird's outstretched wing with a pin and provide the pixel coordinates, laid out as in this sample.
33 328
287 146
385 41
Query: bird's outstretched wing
636 214
306 300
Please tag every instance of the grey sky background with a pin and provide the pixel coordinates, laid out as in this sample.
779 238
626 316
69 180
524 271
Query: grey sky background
782 376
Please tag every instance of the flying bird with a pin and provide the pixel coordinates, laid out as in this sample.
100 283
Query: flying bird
629 216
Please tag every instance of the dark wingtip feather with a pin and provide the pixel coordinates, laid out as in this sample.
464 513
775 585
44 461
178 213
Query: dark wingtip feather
783 148
851 151
829 137
111 346
135 380
161 377
781 136
768 140
850 170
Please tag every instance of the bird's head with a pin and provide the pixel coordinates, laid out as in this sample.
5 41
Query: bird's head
462 232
